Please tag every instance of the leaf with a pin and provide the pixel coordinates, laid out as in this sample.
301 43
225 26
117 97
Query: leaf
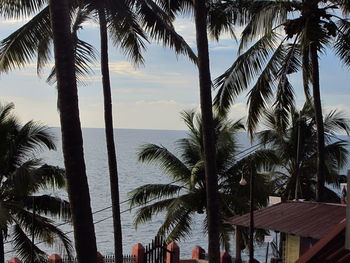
246 68
21 8
167 161
21 46
342 44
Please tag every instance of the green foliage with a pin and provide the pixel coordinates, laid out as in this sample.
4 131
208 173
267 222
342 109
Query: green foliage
22 177
130 24
180 201
276 43
285 147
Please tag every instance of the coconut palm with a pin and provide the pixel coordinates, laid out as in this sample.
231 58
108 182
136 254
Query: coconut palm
181 200
300 171
22 176
214 17
124 21
72 139
282 37
128 33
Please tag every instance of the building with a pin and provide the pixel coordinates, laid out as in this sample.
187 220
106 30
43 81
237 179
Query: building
302 224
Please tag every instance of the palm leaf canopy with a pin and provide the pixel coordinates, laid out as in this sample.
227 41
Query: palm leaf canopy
130 23
285 146
22 176
33 40
185 196
275 44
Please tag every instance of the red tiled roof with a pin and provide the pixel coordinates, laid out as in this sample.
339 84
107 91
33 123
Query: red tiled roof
328 249
306 219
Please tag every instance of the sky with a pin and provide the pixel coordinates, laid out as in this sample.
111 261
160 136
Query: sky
150 96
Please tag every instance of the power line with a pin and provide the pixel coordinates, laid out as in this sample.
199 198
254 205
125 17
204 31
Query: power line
249 149
99 221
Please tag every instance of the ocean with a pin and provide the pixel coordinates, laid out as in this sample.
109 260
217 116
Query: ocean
131 175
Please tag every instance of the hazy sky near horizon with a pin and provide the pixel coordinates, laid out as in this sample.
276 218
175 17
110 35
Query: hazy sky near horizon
149 96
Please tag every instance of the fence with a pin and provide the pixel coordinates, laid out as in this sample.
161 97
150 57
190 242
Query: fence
156 251
110 258
140 254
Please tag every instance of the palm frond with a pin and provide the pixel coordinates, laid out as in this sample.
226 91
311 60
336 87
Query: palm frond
284 103
84 58
190 151
267 16
336 122
21 46
221 19
44 53
21 181
337 158
21 8
145 213
224 16
147 192
247 66
5 111
176 7
180 228
178 219
342 44
158 25
44 229
49 206
306 66
344 6
125 30
167 161
48 176
34 137
24 246
263 89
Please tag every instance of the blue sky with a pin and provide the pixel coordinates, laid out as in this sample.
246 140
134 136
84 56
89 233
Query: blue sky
150 96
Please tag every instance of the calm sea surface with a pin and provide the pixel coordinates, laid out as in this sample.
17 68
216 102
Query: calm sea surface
131 175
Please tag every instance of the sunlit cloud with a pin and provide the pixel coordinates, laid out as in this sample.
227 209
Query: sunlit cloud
126 69
163 114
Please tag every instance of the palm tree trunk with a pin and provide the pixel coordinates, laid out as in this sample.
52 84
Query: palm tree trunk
2 250
306 72
319 122
72 140
112 159
208 131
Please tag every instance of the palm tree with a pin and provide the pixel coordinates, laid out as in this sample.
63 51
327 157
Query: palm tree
23 211
213 17
129 35
276 53
297 150
72 140
186 196
123 20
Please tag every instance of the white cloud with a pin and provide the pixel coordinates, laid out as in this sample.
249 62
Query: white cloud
163 114
238 111
345 109
126 69
43 111
91 78
223 48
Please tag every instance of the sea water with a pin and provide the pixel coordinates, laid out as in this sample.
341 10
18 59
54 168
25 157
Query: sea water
132 174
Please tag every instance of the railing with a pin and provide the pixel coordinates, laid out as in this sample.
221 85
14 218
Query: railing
109 258
155 252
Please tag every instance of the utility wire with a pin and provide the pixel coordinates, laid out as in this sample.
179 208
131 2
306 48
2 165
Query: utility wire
248 151
96 222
